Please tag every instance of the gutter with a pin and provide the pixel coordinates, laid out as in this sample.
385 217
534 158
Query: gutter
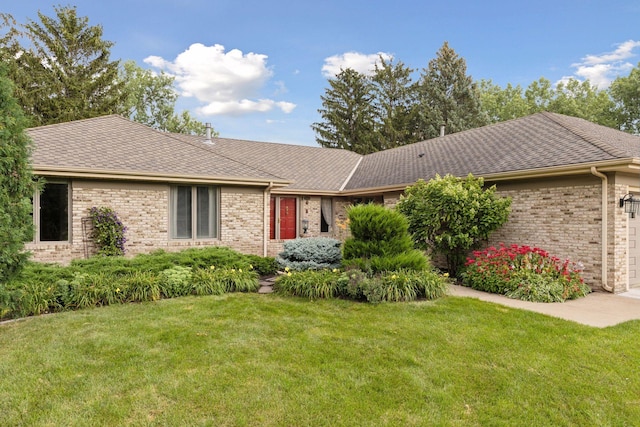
605 243
265 219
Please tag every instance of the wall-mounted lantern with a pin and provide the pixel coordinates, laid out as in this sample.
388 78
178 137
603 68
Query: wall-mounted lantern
305 226
630 204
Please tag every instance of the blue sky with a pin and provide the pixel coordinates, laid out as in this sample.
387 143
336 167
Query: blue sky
256 69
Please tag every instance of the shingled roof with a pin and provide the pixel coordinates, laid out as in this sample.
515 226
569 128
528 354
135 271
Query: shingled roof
114 145
311 169
117 146
539 141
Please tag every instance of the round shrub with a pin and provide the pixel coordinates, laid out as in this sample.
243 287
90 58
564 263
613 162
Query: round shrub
376 231
312 253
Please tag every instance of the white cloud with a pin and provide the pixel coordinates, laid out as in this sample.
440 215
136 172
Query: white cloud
244 106
602 69
357 61
227 82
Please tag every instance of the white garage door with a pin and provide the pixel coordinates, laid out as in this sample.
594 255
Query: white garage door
634 251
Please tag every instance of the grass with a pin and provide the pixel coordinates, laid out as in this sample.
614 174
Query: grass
255 360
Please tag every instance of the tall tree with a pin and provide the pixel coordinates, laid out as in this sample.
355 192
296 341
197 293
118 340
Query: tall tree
394 99
347 114
625 91
571 97
448 96
582 99
151 99
502 104
16 182
65 73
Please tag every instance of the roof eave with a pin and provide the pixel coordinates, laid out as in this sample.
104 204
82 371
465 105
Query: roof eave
628 165
53 171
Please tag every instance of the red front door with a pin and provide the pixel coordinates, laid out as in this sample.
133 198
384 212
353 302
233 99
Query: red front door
285 220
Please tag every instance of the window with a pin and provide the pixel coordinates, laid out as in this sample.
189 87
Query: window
51 213
194 212
326 214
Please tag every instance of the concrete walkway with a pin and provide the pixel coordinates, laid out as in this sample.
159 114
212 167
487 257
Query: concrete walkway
599 309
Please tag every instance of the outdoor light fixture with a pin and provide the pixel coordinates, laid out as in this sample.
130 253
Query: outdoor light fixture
305 225
630 204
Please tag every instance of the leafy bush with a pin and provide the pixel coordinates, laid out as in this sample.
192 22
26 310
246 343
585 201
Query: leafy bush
392 286
312 253
310 284
404 285
524 272
46 288
108 231
205 282
237 280
263 266
140 286
175 282
410 260
451 215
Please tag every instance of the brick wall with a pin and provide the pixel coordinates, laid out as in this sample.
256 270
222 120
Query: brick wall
144 209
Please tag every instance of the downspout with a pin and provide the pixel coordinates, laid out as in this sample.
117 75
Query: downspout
265 219
605 243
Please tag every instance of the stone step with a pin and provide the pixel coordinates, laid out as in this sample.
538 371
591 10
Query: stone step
265 289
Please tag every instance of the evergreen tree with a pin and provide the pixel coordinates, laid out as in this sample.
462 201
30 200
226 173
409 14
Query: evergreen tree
348 114
448 96
16 182
625 91
65 74
395 97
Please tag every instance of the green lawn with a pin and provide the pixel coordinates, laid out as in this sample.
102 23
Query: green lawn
248 359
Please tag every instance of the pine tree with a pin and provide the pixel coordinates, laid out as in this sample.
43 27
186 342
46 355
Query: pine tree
65 74
395 96
448 96
348 114
16 183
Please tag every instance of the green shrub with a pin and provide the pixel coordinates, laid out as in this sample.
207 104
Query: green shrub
90 290
310 284
410 260
263 266
451 215
312 253
100 280
524 272
376 231
237 280
175 282
140 286
206 282
404 285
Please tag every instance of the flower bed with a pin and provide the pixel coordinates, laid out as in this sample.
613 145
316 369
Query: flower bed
526 273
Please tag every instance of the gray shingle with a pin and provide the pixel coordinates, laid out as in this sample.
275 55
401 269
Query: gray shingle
538 141
113 143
